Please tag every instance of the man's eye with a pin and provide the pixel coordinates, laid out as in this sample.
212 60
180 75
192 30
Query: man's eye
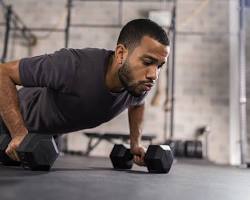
147 63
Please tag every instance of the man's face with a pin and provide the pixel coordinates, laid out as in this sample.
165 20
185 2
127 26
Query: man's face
141 68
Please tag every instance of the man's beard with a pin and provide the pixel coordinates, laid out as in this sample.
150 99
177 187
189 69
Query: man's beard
127 80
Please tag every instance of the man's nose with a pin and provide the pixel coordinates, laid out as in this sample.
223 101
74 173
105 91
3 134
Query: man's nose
152 73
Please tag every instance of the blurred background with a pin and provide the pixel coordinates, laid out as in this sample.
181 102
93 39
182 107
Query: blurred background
203 96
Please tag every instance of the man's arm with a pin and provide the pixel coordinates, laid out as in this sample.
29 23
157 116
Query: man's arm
9 106
55 71
136 117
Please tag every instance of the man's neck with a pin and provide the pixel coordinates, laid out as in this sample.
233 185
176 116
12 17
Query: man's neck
111 78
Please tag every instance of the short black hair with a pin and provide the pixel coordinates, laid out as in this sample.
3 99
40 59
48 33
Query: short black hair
132 33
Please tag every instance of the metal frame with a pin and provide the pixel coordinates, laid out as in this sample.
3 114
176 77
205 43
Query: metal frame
12 18
242 79
7 33
94 139
81 25
173 70
69 24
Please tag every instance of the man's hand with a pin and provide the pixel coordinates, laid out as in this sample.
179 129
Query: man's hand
13 145
139 154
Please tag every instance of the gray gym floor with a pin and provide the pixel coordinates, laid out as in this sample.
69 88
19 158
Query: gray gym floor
75 177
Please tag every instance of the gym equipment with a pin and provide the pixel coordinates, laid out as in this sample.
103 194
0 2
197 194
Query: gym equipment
190 148
158 158
4 159
180 148
171 144
37 151
177 147
95 138
193 149
121 157
198 150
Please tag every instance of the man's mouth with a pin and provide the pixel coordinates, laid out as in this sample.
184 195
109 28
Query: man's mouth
148 86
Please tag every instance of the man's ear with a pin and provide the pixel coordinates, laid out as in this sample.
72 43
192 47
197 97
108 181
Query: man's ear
121 53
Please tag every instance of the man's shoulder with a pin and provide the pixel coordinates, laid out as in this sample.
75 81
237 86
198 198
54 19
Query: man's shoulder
93 55
89 51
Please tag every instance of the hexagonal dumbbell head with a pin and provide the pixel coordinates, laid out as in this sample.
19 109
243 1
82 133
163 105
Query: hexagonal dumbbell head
158 158
121 157
38 151
4 159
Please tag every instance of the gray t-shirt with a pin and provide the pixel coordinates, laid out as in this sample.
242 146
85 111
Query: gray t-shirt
65 91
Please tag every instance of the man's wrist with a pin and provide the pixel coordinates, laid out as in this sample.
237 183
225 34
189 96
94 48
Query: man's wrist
134 144
19 132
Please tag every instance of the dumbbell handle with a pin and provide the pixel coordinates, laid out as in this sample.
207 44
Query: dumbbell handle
166 163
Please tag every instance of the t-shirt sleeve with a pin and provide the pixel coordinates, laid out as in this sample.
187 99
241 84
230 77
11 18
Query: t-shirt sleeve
55 71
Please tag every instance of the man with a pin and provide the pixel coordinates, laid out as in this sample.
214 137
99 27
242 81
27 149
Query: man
74 89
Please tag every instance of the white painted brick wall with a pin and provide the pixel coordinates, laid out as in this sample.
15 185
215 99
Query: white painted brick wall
202 63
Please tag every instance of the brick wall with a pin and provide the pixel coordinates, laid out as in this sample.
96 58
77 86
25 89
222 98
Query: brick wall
202 62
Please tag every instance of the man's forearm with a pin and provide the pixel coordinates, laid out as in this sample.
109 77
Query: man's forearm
136 117
9 106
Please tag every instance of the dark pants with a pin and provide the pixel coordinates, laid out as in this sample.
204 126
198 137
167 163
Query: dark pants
3 128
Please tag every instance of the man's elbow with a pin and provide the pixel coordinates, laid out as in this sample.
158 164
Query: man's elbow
11 70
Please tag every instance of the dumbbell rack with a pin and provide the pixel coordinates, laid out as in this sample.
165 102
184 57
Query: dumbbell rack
196 148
